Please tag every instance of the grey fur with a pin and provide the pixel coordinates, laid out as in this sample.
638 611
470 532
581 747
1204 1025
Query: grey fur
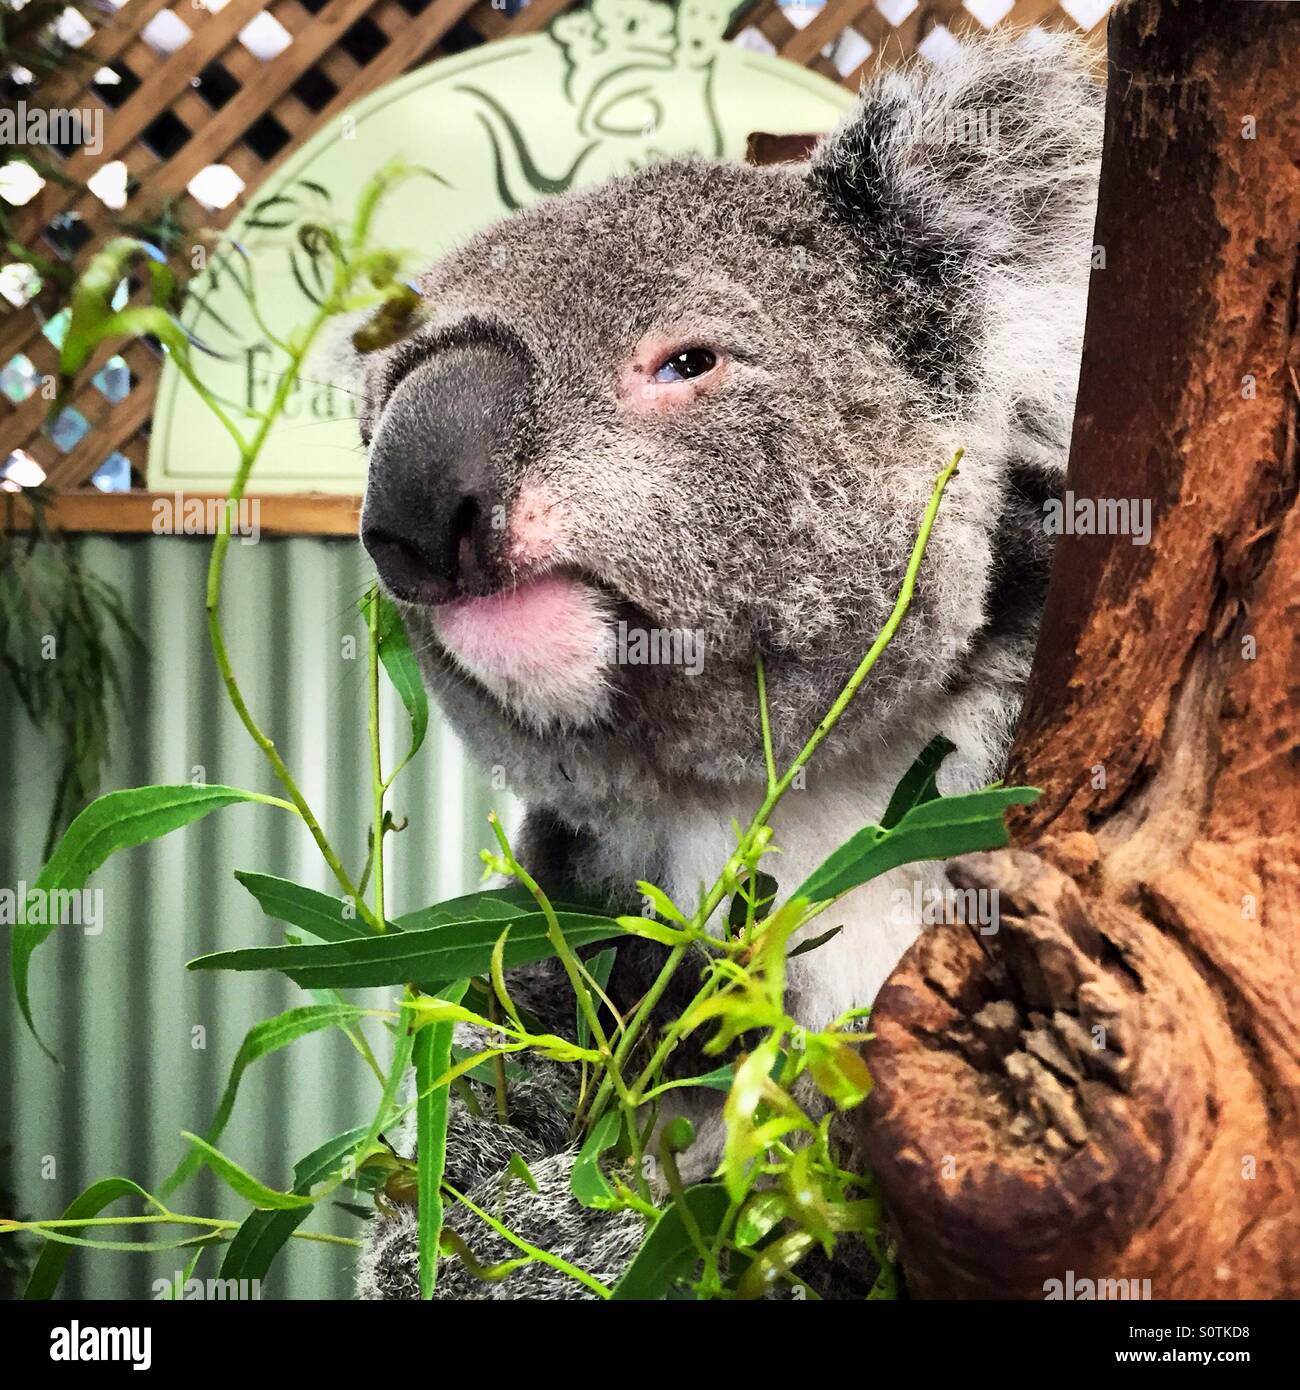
598 1243
478 1153
896 299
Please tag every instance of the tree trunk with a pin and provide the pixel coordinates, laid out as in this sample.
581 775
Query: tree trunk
1109 1084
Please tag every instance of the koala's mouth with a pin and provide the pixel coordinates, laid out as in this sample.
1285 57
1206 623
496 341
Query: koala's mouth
546 648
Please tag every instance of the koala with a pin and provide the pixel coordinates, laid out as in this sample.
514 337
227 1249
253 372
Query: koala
706 403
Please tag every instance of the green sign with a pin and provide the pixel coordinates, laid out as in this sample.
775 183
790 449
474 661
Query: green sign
607 89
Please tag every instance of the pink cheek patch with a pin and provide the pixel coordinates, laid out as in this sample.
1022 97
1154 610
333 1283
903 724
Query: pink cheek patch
536 527
540 648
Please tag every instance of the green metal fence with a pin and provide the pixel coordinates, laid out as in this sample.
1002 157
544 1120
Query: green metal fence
145 1045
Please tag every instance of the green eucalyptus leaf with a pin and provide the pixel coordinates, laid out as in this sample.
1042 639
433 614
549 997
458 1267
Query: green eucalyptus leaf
918 783
324 916
432 1056
840 1073
263 1038
776 1261
113 821
598 967
48 1270
403 671
92 318
451 951
759 1215
720 1079
668 1252
484 1072
661 902
501 905
519 1169
263 1234
746 1137
187 1274
587 1183
938 829
241 1181
812 944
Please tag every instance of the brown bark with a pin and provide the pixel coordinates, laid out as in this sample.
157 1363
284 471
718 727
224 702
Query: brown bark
765 148
1110 1083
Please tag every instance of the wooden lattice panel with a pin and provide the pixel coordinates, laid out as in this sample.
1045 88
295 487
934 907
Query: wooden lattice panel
244 83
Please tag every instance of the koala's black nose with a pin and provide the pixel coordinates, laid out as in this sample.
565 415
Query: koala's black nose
432 513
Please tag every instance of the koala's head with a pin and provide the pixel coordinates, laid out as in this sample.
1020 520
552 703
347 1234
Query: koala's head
650 431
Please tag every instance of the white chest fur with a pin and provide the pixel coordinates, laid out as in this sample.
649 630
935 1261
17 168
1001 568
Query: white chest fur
879 920
694 836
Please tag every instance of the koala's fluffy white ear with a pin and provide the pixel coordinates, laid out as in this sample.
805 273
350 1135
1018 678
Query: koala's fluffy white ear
982 152
947 175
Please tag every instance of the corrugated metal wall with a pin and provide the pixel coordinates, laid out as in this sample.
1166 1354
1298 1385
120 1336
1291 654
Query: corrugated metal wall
119 1008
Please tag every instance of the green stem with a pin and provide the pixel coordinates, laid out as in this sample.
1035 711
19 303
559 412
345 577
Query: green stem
172 1218
565 952
778 787
633 1031
212 402
901 604
613 1071
769 758
358 1041
324 1238
672 1036
274 801
498 1067
376 759
673 1177
249 451
533 1251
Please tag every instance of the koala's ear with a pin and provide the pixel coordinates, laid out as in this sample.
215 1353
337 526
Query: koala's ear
944 176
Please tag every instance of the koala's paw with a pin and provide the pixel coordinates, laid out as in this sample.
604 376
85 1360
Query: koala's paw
600 1243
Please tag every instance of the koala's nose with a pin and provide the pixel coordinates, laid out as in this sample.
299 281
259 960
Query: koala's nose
434 488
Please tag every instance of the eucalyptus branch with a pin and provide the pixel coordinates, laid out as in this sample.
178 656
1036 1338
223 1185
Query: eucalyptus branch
565 953
573 969
765 722
378 784
216 634
534 1252
52 1229
348 266
754 839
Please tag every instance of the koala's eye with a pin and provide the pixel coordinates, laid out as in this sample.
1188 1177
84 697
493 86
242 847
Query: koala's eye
682 366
